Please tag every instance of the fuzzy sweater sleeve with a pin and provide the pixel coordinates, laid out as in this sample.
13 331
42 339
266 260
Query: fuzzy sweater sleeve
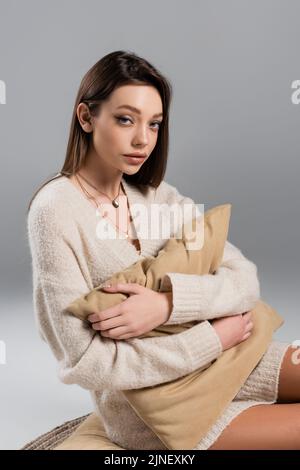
84 356
232 290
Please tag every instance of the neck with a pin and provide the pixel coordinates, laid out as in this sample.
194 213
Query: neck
107 180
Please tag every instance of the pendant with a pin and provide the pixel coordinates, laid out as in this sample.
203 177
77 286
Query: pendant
115 203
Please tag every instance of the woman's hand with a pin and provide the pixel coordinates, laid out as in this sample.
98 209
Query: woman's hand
141 312
234 329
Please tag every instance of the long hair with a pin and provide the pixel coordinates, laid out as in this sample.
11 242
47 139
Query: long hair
112 71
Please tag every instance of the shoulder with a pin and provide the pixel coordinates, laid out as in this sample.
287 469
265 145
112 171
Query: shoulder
165 191
169 194
50 206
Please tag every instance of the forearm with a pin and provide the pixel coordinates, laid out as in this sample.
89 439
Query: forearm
234 289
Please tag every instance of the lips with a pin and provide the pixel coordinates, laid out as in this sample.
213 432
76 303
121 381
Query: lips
135 155
134 159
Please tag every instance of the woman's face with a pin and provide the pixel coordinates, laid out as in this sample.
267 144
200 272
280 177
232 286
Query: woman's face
119 130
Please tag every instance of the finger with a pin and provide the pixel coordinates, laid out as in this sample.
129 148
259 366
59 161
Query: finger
94 317
108 324
246 335
129 287
249 326
105 314
114 333
247 316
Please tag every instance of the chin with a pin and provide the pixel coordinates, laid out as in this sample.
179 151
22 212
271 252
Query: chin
131 169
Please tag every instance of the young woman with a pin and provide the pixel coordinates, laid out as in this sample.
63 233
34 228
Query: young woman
122 109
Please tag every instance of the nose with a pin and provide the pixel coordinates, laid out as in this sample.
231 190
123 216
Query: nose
141 136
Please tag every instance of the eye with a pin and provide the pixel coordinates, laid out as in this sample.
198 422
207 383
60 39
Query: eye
121 119
158 123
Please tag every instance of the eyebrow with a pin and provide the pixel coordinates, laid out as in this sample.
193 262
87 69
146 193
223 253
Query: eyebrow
135 110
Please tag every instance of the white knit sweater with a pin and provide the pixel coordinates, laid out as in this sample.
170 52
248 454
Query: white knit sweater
68 260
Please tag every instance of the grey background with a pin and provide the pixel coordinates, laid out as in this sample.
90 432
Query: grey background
234 138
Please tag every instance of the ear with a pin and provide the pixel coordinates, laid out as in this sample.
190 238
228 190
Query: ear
84 117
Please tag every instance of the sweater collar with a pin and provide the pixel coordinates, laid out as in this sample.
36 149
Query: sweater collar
134 196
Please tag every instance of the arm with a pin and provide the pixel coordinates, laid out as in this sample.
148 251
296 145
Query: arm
84 357
232 290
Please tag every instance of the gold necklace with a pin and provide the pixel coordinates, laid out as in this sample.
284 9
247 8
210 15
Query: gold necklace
114 201
89 196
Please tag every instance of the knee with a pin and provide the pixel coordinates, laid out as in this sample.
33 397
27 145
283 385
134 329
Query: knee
293 425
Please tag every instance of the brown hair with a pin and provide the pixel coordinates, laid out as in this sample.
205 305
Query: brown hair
113 70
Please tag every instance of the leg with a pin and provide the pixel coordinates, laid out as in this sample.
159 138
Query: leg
263 427
289 378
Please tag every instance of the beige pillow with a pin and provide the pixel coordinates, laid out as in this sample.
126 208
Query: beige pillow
90 435
181 412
